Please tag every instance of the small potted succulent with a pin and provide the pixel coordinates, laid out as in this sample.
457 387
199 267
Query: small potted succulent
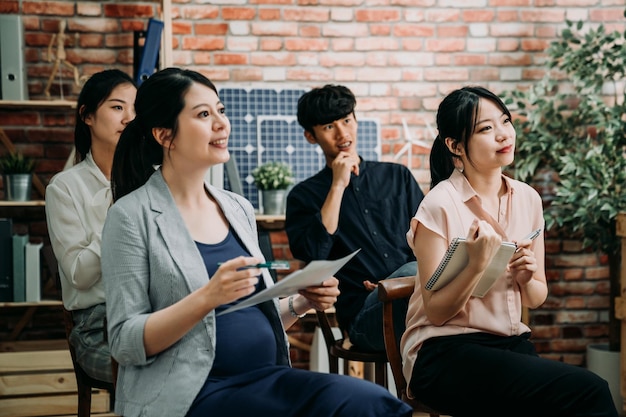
273 179
17 176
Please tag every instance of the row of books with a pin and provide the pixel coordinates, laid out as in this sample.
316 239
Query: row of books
20 266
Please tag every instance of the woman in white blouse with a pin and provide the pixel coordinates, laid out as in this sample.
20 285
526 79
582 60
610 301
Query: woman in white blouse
77 201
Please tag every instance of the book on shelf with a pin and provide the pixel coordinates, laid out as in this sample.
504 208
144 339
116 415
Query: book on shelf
19 267
6 259
456 258
32 254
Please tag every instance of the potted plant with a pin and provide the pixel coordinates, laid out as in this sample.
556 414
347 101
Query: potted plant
273 179
17 175
574 122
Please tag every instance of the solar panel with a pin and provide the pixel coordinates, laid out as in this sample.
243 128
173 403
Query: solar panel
264 128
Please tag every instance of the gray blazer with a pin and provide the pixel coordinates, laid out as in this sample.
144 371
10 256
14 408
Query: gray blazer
149 262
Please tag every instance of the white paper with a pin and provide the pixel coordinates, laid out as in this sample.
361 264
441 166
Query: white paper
314 273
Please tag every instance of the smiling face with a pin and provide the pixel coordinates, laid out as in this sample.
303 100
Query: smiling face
492 144
111 117
335 137
203 129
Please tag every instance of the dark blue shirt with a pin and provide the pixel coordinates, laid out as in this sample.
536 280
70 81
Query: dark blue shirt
376 211
244 339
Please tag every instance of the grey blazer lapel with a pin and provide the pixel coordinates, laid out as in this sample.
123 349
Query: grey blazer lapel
178 242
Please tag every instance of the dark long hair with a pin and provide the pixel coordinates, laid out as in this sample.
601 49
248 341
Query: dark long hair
159 101
95 91
456 119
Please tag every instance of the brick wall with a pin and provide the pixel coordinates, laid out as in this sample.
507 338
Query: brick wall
399 56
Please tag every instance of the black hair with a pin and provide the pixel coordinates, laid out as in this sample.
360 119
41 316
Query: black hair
95 91
159 101
324 105
456 119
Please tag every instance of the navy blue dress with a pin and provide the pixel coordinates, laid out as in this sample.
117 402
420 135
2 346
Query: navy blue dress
246 380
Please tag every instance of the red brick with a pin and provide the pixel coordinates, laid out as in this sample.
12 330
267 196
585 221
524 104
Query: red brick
269 14
181 28
507 16
91 40
314 74
306 44
203 43
84 8
376 44
51 8
238 13
129 10
100 56
478 15
452 31
470 59
534 44
306 15
443 15
273 59
510 59
119 40
445 45
230 59
203 12
9 7
421 30
380 30
310 31
218 29
247 74
606 14
274 29
376 15
97 25
271 44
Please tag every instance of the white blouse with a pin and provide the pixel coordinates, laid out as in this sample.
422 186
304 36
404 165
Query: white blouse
77 201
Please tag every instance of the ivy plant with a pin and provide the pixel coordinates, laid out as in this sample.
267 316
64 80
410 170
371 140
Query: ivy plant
573 121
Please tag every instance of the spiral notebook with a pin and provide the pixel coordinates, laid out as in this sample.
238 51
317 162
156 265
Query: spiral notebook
456 258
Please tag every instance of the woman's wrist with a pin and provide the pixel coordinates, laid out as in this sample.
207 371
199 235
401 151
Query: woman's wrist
292 309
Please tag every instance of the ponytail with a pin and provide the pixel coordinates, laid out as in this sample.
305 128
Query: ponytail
136 154
441 162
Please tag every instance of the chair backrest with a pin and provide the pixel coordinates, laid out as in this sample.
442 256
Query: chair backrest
326 328
68 321
388 291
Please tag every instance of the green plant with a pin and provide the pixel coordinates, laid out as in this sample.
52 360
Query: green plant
574 122
273 175
16 163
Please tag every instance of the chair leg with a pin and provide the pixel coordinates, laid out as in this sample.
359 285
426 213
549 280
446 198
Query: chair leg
333 364
84 400
380 374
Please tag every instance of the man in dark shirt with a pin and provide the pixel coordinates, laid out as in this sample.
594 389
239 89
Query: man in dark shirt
352 204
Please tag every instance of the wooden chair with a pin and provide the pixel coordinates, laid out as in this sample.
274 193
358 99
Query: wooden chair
389 290
84 382
336 350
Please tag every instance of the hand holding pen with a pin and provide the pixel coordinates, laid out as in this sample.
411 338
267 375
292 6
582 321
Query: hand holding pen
531 236
269 265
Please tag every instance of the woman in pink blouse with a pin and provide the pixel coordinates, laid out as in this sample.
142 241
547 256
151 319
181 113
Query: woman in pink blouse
465 355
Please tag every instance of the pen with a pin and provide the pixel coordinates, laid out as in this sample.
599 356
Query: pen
532 236
268 265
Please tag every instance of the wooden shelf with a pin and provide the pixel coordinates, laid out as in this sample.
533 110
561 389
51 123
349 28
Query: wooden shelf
271 221
42 303
37 104
30 203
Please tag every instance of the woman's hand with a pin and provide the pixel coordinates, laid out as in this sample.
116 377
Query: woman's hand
323 296
230 282
523 264
482 244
